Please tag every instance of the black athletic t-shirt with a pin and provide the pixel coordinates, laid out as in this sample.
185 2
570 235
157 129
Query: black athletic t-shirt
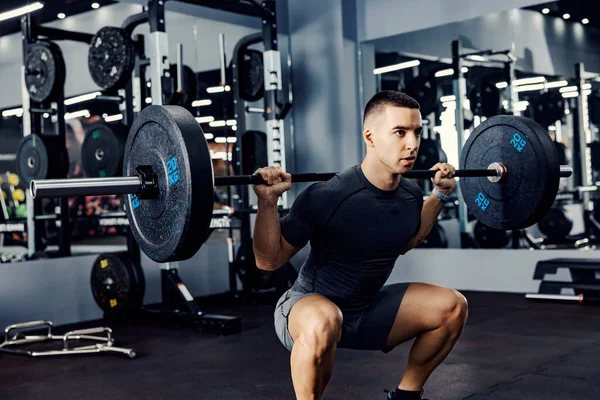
356 233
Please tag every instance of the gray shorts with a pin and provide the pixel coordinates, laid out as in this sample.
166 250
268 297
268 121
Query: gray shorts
365 330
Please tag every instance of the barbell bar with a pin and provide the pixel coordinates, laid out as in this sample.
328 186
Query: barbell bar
169 181
135 185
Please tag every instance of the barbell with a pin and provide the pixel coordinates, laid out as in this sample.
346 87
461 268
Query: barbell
510 161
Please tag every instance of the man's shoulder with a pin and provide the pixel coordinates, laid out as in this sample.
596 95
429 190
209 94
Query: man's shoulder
413 188
331 190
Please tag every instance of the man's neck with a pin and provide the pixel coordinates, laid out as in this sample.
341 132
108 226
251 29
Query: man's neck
379 175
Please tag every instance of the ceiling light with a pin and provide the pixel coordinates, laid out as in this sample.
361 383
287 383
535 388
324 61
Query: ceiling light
545 11
585 21
61 15
20 11
566 16
95 5
396 67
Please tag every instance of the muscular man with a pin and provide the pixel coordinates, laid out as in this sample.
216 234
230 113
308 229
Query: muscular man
358 223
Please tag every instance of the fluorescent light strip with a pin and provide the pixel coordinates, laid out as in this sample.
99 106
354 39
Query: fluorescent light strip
77 114
231 139
218 89
113 118
568 89
529 88
200 103
529 81
568 95
205 120
216 124
396 67
451 97
549 85
449 71
220 140
83 97
209 136
220 155
18 112
444 72
556 84
231 122
521 105
477 58
20 11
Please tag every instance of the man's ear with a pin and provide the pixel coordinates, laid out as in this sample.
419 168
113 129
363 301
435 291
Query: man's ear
368 137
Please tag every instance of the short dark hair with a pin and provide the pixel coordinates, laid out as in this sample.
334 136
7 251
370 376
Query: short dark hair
389 98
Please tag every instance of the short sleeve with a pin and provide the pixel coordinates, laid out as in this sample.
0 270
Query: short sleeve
298 225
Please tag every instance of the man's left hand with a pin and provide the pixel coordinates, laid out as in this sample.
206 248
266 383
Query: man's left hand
444 179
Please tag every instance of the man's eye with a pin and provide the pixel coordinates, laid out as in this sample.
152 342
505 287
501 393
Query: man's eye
400 133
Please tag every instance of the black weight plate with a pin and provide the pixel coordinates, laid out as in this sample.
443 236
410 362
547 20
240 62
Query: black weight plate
436 239
594 107
170 140
137 297
562 153
115 286
549 108
555 225
252 79
33 158
490 238
103 149
485 99
424 90
429 154
111 58
44 71
533 172
595 155
552 160
254 151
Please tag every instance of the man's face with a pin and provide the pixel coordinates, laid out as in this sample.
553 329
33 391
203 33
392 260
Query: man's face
396 134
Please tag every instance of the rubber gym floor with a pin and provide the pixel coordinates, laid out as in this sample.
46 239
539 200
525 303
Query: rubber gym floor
511 348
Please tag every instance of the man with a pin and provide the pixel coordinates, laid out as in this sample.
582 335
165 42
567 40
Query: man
358 224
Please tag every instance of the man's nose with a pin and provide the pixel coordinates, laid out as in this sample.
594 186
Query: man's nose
412 142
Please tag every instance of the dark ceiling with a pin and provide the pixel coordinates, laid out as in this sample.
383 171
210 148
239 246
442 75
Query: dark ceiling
577 9
46 14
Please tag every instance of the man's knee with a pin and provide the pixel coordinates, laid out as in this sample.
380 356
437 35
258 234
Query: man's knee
453 309
319 326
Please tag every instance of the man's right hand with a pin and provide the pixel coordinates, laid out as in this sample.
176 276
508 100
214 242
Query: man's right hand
277 182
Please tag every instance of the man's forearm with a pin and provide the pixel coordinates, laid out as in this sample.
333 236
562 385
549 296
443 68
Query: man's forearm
267 235
429 215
